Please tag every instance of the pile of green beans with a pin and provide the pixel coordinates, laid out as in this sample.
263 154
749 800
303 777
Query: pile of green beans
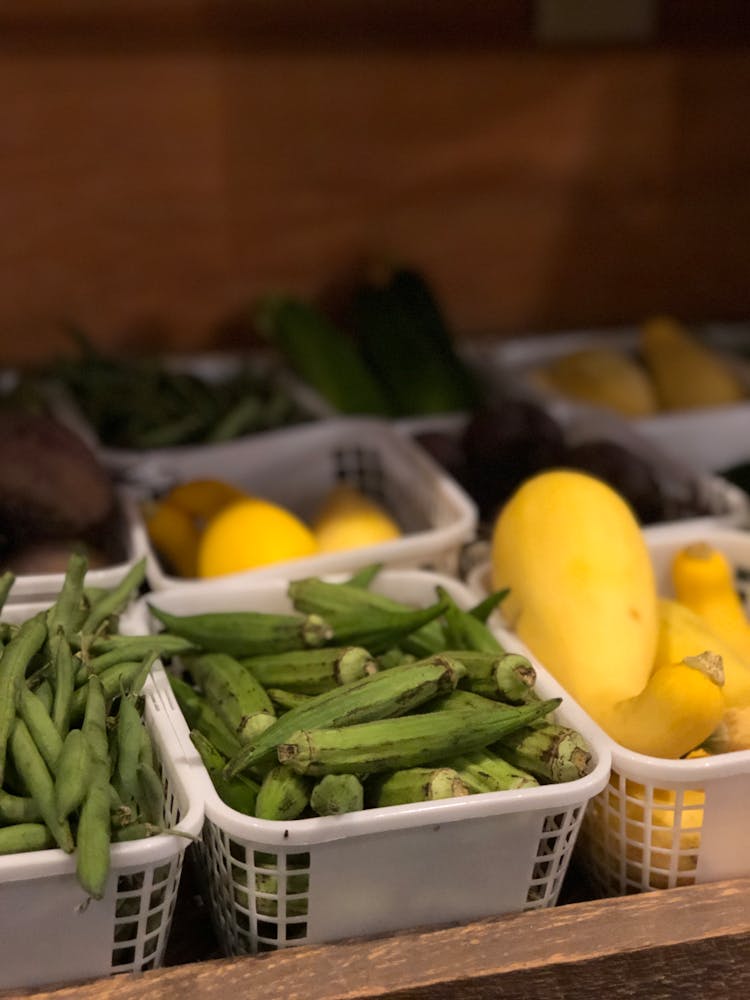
141 403
77 764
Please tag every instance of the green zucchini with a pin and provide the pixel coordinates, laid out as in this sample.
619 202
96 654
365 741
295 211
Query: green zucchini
405 340
321 354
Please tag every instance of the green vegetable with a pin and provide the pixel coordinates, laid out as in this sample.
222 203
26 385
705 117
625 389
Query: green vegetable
321 354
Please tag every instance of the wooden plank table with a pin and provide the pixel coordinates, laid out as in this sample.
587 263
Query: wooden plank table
692 941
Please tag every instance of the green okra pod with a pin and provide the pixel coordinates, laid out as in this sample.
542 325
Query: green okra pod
17 655
504 676
345 603
414 784
551 752
335 794
378 630
311 671
283 795
382 695
231 689
394 657
462 700
365 576
199 714
247 633
284 700
238 793
407 741
490 603
465 631
484 771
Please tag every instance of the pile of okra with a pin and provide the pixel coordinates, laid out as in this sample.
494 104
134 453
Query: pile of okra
77 764
355 700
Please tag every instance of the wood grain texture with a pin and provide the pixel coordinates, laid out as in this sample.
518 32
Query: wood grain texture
151 192
691 941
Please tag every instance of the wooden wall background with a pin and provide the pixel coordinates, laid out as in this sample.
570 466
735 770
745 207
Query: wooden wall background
163 163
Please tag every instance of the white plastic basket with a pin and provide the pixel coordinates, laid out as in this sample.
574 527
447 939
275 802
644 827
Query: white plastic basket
381 870
710 439
297 467
52 933
132 536
665 823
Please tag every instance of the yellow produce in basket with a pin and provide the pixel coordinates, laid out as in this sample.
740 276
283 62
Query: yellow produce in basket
601 376
703 581
684 633
686 372
348 519
583 599
202 498
250 533
174 534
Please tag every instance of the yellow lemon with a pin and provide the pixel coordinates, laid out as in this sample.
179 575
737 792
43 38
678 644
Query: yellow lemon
249 533
202 498
174 534
348 520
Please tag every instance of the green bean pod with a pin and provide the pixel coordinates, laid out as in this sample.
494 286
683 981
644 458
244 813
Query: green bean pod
24 837
27 641
18 809
93 833
116 599
128 731
134 648
73 774
32 769
69 609
43 730
64 668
